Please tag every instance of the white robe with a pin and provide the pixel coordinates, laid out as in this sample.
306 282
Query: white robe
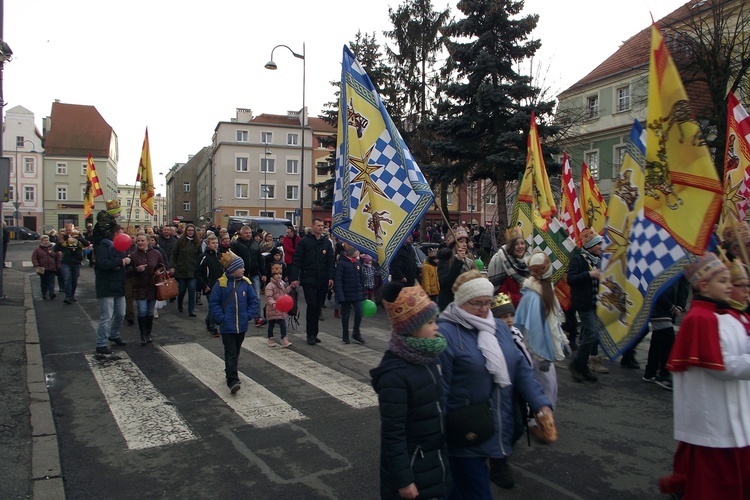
712 407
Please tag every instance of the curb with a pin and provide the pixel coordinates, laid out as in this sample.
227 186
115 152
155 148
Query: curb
46 473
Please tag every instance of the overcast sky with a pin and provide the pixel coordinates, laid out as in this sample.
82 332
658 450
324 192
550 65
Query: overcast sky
181 66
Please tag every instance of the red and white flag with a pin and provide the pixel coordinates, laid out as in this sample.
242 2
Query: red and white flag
736 163
570 215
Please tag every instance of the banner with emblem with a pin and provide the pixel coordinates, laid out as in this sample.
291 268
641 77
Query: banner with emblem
380 193
570 216
535 213
593 206
145 178
736 164
93 188
662 210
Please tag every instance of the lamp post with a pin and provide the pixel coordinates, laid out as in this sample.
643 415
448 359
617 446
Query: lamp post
272 65
16 195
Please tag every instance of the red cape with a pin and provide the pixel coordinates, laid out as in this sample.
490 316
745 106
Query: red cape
697 343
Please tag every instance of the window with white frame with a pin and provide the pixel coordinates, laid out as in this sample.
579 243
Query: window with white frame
242 136
242 213
20 140
29 165
490 199
592 160
241 190
185 187
62 169
289 215
266 137
269 213
11 193
292 167
592 106
267 191
129 202
268 165
62 192
623 99
240 164
84 168
29 193
186 205
619 158
292 192
292 139
137 213
450 195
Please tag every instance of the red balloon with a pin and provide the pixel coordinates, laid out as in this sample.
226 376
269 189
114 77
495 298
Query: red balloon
284 303
122 242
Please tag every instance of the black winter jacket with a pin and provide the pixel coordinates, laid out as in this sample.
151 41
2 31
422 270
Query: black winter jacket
348 281
412 441
209 270
404 266
312 263
255 263
108 270
583 288
448 269
675 295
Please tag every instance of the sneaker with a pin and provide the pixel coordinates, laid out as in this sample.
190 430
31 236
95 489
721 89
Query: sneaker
67 301
103 350
73 299
260 322
52 296
664 382
317 340
117 341
501 474
310 340
596 365
358 338
649 379
271 342
285 342
215 334
235 387
345 340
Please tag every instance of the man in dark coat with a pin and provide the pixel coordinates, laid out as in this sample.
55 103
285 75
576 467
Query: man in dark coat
404 266
109 272
312 267
255 264
167 240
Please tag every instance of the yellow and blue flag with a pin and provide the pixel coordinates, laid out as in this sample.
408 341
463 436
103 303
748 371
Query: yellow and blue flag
380 194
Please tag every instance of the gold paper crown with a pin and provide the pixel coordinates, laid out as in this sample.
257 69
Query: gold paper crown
513 232
227 258
500 299
411 309
738 270
704 268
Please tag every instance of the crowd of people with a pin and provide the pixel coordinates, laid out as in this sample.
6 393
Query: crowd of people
467 349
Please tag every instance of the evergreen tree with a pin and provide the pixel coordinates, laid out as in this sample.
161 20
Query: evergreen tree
484 111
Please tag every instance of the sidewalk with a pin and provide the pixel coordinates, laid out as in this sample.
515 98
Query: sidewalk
29 457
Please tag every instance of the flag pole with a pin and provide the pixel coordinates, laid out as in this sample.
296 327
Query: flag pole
132 203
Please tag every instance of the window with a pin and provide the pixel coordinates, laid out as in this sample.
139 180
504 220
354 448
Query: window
321 166
240 164
263 213
83 191
129 202
592 106
62 169
29 165
450 195
623 99
11 193
289 215
619 159
266 137
185 187
592 160
267 191
19 141
84 167
291 167
28 193
156 218
241 190
186 205
242 136
241 213
292 192
268 165
490 199
137 213
292 139
62 193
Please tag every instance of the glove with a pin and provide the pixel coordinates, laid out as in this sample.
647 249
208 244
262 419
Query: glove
546 424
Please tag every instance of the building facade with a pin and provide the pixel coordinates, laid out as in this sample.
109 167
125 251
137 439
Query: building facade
22 144
129 197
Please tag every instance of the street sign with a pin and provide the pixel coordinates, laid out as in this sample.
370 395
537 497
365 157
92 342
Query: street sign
179 217
175 221
218 209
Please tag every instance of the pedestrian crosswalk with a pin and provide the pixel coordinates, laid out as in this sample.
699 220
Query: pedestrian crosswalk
146 418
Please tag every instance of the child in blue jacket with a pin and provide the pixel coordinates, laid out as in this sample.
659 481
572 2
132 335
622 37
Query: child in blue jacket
233 303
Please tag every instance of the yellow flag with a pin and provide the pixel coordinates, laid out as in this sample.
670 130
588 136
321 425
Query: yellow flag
593 206
535 189
682 191
145 178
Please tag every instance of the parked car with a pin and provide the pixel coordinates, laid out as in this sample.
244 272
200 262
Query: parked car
22 233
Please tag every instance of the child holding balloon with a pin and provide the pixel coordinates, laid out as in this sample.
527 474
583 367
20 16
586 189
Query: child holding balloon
276 305
349 284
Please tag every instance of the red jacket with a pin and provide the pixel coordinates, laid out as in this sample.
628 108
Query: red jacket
289 244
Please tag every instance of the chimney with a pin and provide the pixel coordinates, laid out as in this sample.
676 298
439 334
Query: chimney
244 115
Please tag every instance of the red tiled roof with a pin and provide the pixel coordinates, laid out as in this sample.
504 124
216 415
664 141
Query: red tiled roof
633 53
317 124
77 130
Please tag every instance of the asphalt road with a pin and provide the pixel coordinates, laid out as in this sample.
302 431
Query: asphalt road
158 421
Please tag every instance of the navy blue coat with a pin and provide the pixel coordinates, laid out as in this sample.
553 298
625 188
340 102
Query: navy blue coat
233 302
466 381
348 281
108 270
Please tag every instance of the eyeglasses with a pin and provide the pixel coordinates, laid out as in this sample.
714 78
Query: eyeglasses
745 286
480 304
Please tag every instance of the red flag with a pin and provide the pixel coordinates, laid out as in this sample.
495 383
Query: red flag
570 216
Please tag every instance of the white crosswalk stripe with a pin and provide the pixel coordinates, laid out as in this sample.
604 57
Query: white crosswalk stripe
254 404
342 387
145 417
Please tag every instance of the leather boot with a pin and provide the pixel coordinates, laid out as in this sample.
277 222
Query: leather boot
142 328
149 326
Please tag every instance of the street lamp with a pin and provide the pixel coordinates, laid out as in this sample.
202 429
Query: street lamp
17 199
272 65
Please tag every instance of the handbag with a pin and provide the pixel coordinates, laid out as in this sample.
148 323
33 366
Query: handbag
470 425
166 286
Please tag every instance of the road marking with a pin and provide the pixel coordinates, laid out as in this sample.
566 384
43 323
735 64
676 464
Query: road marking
342 387
145 417
27 263
255 404
358 352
